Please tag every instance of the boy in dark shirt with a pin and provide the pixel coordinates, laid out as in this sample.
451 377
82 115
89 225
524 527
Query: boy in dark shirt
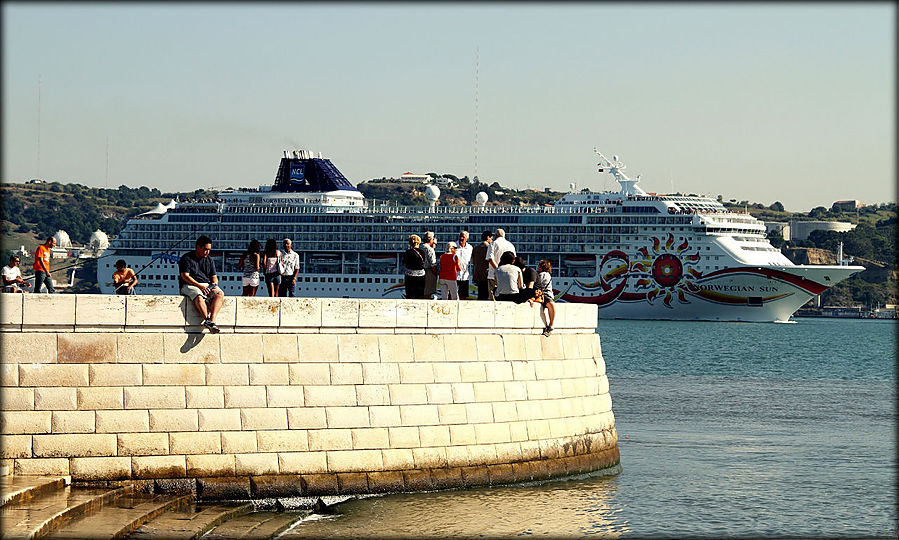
198 281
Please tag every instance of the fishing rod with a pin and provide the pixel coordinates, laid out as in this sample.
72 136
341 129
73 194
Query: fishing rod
168 250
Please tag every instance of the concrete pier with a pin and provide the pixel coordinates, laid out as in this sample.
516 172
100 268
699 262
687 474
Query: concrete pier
301 396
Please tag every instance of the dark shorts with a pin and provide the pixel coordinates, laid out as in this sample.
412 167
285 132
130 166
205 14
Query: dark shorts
273 278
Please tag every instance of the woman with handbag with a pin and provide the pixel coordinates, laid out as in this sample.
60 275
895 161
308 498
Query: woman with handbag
414 268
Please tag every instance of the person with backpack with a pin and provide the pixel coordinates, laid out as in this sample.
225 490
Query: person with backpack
414 268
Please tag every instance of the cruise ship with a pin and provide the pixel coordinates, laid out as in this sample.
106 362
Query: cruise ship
636 255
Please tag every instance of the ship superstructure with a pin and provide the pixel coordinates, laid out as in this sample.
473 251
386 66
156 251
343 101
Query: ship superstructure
634 254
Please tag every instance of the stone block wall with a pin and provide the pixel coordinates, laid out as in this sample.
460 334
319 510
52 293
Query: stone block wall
301 395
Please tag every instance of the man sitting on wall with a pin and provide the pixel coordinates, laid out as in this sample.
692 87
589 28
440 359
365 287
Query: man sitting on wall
12 277
198 281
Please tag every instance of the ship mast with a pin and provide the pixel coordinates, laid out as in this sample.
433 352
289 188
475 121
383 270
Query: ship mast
615 167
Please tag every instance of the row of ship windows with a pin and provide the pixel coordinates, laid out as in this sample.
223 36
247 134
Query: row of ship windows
398 229
603 217
593 220
239 278
228 240
399 232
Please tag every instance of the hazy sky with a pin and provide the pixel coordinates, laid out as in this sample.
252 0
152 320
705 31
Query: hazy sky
764 102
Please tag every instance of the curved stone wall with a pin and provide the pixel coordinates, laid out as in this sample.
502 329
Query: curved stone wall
301 396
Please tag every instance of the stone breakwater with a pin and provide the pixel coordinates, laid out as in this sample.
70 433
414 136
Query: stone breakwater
301 396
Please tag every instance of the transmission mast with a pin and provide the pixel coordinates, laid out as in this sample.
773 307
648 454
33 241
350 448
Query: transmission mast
477 75
38 126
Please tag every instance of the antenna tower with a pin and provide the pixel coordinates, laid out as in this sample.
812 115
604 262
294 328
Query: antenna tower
477 75
38 126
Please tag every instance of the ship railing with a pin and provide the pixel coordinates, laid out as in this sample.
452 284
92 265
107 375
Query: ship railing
263 208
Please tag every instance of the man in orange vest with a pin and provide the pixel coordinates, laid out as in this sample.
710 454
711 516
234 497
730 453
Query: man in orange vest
42 266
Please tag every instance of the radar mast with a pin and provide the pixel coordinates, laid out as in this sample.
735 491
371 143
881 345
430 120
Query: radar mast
615 167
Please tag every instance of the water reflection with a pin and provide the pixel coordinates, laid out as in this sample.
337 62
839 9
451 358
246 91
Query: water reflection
558 508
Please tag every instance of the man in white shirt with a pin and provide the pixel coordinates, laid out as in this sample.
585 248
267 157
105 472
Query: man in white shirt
463 254
499 246
291 260
12 277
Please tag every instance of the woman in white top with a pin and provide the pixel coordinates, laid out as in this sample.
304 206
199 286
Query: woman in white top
508 278
249 265
545 283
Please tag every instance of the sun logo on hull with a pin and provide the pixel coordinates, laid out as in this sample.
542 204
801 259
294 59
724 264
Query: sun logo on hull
665 273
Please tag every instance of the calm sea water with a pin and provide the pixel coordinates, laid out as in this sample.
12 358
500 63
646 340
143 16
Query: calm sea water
725 429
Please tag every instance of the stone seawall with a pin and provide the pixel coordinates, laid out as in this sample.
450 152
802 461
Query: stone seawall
301 396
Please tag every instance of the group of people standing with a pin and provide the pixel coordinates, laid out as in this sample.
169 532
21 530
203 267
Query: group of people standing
496 270
423 273
277 269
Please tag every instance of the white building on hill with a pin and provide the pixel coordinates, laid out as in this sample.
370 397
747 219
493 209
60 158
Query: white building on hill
412 177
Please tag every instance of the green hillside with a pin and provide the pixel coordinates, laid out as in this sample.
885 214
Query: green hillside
31 212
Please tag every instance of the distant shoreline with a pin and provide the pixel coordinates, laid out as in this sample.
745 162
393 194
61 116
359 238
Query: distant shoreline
846 313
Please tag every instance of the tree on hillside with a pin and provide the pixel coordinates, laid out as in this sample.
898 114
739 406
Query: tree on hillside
776 238
817 212
864 241
777 206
